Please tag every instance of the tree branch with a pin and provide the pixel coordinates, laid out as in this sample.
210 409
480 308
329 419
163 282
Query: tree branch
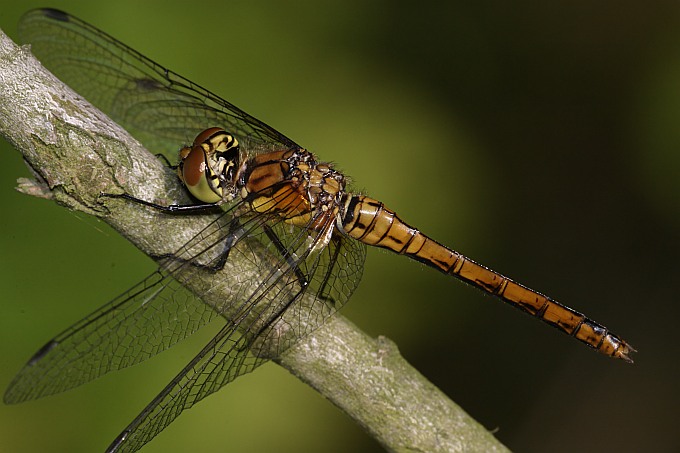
76 153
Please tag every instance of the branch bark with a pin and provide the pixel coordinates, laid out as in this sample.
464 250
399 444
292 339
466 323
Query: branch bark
76 153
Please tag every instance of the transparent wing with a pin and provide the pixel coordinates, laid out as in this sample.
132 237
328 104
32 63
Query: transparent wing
280 310
145 320
272 283
160 108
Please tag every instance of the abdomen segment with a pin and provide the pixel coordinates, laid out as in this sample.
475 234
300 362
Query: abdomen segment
370 222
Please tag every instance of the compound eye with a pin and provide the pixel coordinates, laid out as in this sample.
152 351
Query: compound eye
209 164
208 134
198 178
193 166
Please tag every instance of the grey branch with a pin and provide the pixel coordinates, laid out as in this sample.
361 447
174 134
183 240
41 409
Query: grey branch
76 153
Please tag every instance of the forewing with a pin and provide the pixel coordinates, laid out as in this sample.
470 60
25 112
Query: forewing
160 108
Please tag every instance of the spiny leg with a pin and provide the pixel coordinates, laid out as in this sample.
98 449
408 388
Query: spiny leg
285 253
172 209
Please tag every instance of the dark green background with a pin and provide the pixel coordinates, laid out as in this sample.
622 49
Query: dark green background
539 138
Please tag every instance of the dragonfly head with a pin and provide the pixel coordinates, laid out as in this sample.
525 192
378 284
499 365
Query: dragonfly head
207 167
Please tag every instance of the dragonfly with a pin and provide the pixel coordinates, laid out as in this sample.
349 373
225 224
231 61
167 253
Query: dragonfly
288 227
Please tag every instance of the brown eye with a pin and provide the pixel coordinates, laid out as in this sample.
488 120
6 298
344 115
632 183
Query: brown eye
193 166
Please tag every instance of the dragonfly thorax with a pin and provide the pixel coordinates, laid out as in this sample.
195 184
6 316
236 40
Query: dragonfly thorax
294 185
208 167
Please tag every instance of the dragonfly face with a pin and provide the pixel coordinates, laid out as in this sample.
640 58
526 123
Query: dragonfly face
286 214
208 167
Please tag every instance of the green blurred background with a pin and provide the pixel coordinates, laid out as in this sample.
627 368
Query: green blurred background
539 138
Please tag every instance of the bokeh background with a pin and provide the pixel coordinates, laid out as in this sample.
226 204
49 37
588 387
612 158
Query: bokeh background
539 138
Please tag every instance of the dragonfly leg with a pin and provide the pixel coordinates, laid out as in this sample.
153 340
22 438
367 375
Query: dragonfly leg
172 209
218 264
302 278
162 157
324 293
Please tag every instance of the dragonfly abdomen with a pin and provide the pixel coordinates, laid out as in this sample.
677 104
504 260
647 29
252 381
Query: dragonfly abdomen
370 222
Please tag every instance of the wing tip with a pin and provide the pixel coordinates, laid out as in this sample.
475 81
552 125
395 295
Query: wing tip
42 352
55 14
